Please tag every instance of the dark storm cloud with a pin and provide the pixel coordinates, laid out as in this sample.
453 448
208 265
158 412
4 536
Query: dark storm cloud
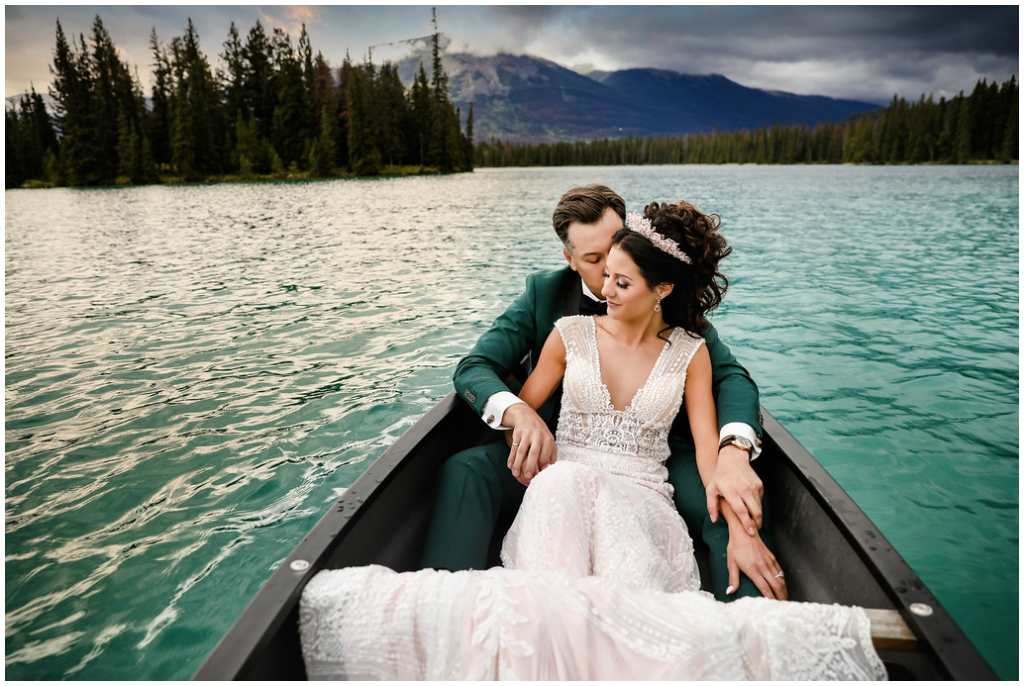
991 29
957 29
776 32
861 52
866 53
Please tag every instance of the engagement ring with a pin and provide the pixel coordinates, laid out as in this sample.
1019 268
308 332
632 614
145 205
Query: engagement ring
779 575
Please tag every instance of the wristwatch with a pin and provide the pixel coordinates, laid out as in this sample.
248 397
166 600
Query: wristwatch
739 442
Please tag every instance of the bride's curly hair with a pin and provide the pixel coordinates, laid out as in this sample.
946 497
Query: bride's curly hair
699 287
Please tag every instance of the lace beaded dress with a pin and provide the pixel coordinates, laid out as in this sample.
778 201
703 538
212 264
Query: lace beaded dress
598 581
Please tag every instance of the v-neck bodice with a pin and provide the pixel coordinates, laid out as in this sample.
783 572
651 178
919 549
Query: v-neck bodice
632 441
600 377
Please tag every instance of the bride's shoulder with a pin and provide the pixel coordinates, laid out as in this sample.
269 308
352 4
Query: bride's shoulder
687 341
680 332
572 321
574 330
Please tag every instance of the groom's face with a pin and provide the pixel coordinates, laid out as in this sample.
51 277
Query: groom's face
589 245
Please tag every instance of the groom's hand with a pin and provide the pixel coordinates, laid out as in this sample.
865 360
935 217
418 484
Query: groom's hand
737 482
532 445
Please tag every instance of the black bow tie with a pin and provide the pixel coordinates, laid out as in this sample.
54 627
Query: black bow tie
592 308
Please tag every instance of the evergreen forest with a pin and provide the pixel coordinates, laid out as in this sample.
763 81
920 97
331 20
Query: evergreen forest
981 127
274 110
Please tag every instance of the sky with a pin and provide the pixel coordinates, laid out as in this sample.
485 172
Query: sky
865 53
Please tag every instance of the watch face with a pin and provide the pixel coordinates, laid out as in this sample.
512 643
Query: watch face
738 441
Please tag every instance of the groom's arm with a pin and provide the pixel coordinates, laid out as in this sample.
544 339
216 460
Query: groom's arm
482 373
480 377
738 406
735 393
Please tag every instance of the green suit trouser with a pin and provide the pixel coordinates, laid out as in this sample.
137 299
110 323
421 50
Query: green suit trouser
475 489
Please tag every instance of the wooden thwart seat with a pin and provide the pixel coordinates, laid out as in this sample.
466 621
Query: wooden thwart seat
889 631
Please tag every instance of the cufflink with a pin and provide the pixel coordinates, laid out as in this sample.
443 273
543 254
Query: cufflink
490 419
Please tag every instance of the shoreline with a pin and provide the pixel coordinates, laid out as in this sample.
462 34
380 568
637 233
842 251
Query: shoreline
404 171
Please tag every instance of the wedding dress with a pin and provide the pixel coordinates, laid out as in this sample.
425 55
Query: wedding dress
598 581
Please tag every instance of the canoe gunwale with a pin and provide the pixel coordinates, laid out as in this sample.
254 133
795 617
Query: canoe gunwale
957 656
238 654
277 599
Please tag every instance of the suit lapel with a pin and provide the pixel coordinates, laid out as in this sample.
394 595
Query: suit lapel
573 298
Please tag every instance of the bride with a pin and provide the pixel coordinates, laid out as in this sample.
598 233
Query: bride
599 580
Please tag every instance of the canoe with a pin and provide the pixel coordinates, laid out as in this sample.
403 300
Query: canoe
831 552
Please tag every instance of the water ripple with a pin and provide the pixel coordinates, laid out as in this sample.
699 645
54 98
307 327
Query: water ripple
194 373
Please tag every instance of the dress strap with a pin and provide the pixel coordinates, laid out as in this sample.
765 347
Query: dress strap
684 347
575 336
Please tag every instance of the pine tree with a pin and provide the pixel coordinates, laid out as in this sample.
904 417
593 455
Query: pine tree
469 154
109 77
160 116
42 123
183 153
321 92
233 82
341 103
259 81
422 116
1005 140
1010 148
964 125
71 90
440 154
306 55
14 168
292 111
391 114
364 156
325 142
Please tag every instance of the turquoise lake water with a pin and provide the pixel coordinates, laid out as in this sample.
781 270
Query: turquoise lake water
194 374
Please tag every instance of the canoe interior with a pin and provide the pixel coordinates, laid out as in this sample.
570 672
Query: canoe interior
829 549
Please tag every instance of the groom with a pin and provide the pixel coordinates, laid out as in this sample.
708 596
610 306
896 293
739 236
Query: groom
476 486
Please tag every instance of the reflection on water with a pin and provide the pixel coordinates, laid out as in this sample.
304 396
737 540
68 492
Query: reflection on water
193 374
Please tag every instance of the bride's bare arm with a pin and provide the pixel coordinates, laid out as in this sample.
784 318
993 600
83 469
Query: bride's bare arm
700 407
744 553
547 374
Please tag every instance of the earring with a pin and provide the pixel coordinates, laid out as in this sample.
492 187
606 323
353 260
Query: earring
657 306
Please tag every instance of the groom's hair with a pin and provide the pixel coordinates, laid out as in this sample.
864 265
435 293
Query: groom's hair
586 205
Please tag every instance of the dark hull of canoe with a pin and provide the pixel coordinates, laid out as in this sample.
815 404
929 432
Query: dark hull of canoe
830 550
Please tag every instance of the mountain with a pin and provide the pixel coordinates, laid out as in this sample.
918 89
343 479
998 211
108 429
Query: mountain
702 103
14 101
523 98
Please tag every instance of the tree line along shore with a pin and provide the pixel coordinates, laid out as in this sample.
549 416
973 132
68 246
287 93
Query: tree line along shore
276 111
273 110
982 127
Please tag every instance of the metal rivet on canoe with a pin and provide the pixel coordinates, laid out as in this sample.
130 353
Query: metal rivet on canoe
921 609
299 565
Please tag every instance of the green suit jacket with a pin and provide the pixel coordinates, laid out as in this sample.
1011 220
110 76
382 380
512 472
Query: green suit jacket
524 327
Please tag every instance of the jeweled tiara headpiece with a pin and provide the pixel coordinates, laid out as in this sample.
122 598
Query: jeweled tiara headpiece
642 226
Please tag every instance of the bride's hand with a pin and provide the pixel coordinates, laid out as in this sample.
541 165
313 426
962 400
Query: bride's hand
749 554
532 445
